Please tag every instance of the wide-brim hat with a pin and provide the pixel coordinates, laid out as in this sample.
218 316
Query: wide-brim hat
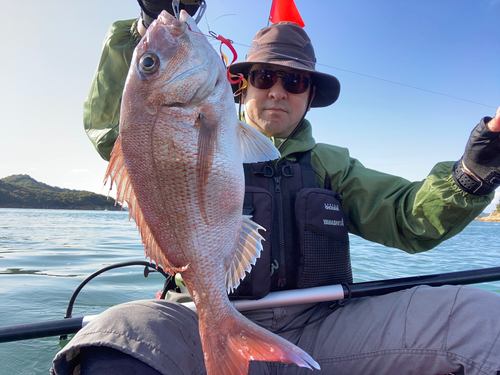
287 44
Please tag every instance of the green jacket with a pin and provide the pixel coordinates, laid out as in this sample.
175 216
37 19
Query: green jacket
390 210
101 110
412 216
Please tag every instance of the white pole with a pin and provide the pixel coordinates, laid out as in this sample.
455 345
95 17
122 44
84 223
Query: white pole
288 298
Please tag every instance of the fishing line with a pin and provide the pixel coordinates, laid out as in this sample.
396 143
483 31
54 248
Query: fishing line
238 78
377 78
224 15
351 71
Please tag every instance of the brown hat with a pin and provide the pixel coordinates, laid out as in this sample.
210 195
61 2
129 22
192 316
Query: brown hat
287 44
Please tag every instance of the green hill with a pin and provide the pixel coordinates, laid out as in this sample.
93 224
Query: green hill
23 191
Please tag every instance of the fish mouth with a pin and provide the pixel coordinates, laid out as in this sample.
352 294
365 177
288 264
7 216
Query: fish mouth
175 27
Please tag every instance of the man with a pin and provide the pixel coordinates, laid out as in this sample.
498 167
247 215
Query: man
422 330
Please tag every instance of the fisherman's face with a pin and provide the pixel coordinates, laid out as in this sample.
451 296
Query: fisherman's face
275 112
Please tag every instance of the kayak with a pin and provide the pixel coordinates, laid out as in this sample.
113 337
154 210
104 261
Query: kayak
343 291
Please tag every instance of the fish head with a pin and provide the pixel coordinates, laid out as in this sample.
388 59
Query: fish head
173 66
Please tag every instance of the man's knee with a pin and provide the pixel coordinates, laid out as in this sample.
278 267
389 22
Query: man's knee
160 334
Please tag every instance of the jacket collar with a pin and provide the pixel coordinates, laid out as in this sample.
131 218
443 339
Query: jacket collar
301 141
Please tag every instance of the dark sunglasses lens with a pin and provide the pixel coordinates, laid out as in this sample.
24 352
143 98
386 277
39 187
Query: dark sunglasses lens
295 83
263 79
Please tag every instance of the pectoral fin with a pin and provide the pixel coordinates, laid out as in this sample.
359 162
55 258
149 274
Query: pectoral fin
255 146
207 143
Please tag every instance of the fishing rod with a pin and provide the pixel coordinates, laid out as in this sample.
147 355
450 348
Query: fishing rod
275 299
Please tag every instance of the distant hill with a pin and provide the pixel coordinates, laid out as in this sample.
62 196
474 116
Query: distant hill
494 216
23 191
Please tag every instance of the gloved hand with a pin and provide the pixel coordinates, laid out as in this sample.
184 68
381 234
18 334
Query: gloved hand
478 172
152 8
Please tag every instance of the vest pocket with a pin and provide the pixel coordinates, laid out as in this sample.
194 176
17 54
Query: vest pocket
259 204
324 257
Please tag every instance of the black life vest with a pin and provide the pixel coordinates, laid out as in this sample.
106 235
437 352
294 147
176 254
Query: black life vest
306 238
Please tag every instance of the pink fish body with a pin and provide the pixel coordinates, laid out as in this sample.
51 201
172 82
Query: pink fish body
178 165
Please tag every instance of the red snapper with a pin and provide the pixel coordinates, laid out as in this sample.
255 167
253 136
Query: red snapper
178 165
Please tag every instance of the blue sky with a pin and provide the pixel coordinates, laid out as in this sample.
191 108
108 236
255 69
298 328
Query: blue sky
391 57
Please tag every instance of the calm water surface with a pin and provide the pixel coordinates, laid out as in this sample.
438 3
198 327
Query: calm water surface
45 254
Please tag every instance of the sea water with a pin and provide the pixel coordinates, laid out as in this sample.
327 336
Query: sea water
45 254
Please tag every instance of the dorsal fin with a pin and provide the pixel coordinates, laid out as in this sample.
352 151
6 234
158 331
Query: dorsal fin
117 172
255 146
249 249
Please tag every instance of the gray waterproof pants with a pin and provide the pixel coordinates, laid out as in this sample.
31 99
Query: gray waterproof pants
420 331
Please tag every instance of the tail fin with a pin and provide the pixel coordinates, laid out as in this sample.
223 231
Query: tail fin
229 352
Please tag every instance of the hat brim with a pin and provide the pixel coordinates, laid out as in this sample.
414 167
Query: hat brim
327 86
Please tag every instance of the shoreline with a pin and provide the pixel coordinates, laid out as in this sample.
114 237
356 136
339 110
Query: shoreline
74 208
493 217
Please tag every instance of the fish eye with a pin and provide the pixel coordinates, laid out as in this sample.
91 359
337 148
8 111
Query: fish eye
149 63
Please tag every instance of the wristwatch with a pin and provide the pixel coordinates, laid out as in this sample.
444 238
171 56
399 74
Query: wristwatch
468 182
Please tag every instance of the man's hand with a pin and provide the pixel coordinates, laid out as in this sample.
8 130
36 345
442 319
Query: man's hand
152 8
478 172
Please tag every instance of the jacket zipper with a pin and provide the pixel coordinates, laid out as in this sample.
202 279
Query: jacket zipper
281 231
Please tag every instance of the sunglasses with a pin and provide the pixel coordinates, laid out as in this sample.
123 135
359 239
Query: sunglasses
294 83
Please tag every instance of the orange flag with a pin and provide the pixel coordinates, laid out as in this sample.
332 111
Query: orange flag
285 10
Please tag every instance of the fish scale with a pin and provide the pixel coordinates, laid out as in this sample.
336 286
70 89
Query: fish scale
178 165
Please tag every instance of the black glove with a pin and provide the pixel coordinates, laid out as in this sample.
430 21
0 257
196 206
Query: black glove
478 172
152 8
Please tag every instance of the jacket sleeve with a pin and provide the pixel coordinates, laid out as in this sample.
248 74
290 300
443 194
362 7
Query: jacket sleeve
390 210
101 110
